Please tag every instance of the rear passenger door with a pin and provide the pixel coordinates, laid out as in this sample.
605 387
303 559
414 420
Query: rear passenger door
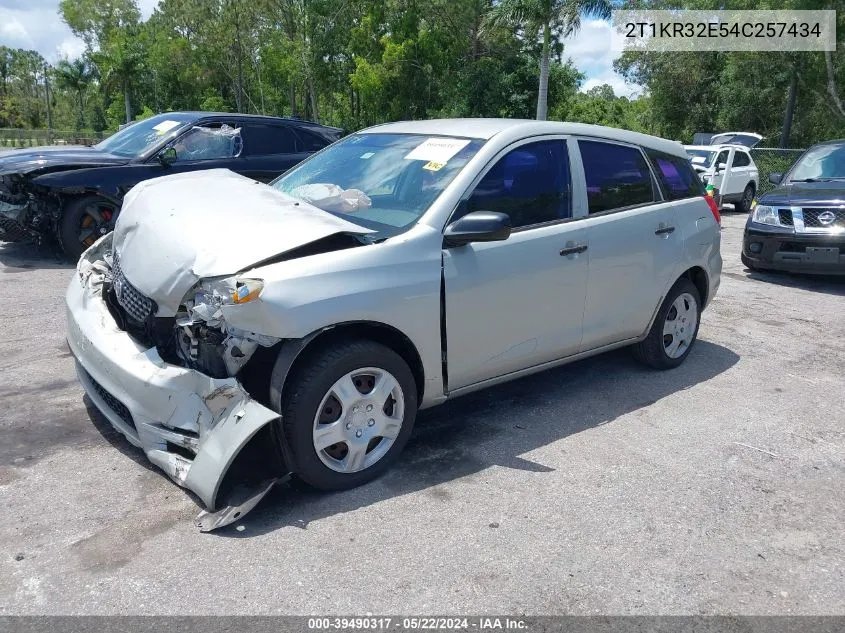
739 174
269 150
634 244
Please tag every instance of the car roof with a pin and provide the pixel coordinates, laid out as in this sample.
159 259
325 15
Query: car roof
833 141
254 117
486 129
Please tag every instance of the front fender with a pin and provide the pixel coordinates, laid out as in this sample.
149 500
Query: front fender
102 181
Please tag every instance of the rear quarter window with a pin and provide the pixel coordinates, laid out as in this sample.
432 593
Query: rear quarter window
677 178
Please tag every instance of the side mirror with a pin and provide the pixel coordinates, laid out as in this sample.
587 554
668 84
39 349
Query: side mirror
775 178
478 226
167 156
721 167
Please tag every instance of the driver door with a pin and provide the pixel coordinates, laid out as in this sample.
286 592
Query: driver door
519 302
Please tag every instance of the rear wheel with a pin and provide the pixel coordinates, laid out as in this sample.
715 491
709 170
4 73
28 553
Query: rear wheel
85 220
744 204
674 330
347 413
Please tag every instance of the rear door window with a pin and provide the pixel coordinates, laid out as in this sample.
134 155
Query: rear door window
676 176
617 176
310 142
267 140
741 159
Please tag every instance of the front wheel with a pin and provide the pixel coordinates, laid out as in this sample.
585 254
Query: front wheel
347 413
674 330
84 221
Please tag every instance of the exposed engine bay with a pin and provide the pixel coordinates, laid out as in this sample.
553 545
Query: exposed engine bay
24 217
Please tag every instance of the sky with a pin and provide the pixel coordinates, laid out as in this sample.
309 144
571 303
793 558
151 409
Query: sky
36 25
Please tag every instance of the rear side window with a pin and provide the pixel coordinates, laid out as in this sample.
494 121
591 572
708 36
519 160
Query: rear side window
310 142
266 140
617 176
741 159
676 176
529 183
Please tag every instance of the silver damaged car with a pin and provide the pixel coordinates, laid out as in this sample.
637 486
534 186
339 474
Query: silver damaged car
300 325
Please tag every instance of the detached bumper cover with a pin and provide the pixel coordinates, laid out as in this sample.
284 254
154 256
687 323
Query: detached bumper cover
188 424
780 249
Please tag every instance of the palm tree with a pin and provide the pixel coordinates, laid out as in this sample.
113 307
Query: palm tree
120 62
561 17
76 76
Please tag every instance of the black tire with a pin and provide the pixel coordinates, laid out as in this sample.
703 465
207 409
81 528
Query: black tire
303 395
744 204
652 350
80 225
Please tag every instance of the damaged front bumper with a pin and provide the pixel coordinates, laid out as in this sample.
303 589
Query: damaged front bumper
190 425
16 213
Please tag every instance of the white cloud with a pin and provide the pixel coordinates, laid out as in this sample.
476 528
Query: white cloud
590 51
14 32
70 48
37 25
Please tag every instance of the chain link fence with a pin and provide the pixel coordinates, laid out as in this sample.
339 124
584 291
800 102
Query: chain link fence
11 138
771 160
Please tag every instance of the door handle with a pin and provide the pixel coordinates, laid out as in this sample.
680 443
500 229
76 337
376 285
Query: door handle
573 250
666 230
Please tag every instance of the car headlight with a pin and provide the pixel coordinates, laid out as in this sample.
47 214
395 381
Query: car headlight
764 214
204 303
231 290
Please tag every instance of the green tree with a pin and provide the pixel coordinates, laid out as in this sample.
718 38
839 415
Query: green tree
110 30
545 19
75 76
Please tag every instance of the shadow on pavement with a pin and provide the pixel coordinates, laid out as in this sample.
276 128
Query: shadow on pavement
827 284
17 257
495 427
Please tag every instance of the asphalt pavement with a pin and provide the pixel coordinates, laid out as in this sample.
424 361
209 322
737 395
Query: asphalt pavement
599 487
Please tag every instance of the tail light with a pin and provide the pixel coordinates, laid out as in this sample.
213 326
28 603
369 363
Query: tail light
714 209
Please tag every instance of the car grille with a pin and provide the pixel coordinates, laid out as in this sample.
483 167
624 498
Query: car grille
785 217
812 221
130 298
113 403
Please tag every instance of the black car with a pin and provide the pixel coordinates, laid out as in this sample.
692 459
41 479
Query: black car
800 225
74 192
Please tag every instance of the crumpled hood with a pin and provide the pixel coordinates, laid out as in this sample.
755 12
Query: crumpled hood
806 194
176 230
35 159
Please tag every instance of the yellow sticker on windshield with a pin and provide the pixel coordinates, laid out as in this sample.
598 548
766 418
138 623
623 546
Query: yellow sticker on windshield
432 166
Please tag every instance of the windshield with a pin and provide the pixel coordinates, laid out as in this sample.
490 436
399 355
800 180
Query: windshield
383 182
701 157
137 138
823 162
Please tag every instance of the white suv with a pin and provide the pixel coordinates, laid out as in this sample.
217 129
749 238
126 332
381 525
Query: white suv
404 265
731 171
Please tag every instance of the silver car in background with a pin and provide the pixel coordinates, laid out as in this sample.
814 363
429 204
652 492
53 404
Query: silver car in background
307 321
